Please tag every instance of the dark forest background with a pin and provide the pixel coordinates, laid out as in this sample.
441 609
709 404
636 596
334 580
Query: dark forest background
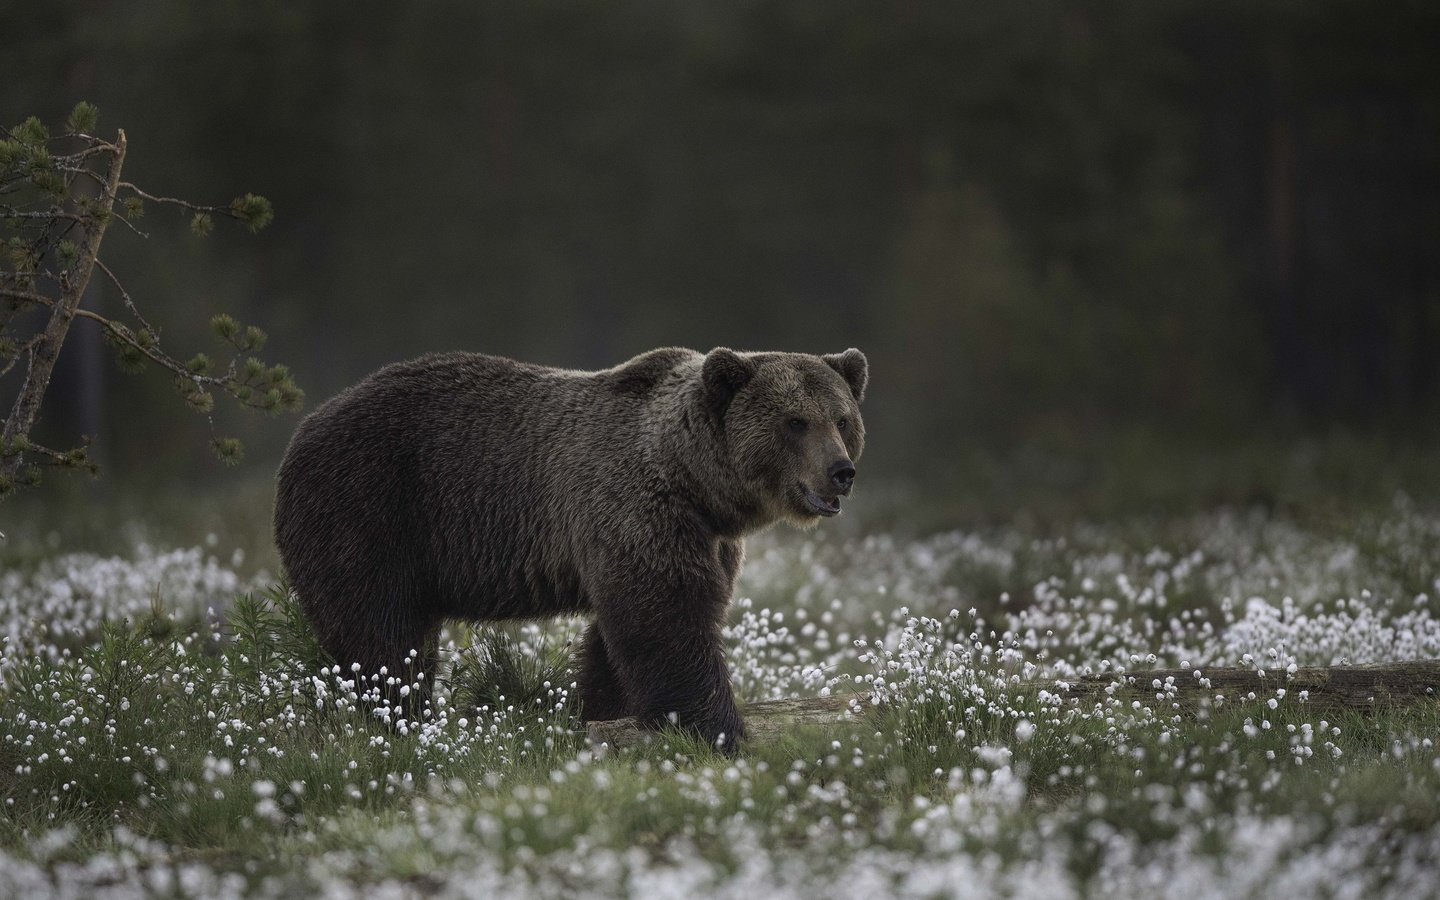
1183 249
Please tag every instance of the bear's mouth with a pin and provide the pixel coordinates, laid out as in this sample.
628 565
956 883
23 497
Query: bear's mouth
821 505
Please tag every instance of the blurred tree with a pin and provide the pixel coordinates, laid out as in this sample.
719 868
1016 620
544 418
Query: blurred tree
58 196
1042 221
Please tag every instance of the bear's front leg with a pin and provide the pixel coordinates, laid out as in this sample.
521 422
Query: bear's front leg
662 639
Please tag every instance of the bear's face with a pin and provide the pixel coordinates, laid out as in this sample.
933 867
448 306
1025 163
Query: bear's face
792 427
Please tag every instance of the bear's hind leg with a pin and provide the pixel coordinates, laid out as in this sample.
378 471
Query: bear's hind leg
601 696
396 655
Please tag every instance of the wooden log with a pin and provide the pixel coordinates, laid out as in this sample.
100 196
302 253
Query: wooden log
765 721
1363 689
1325 689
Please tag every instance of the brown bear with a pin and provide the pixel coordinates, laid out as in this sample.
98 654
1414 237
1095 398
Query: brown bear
475 487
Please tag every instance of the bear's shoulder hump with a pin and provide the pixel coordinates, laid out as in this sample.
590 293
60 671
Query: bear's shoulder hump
643 373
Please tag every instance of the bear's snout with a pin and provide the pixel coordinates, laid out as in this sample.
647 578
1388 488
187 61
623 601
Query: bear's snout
842 475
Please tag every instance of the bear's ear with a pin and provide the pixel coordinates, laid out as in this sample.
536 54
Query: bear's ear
725 372
854 368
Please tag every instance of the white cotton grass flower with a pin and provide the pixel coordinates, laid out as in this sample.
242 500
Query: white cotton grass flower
968 774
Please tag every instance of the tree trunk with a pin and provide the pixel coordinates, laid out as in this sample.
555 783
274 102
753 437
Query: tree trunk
47 349
1326 690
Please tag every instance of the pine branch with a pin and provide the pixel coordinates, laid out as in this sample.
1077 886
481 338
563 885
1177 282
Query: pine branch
49 215
242 389
170 201
125 220
77 458
20 350
124 335
254 211
125 297
95 148
27 296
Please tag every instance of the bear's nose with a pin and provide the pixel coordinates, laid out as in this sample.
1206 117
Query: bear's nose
842 475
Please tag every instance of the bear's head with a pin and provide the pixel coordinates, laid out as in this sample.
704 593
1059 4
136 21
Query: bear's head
791 426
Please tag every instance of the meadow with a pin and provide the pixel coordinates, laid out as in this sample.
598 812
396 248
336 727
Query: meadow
169 727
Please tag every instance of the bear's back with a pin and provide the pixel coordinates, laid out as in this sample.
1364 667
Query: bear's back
474 474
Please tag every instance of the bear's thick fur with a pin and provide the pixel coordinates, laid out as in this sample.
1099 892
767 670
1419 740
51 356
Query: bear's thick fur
475 487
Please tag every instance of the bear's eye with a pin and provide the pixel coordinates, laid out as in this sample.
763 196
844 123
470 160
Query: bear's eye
842 424
797 425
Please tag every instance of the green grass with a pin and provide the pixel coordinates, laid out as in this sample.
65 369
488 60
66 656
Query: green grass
230 746
180 738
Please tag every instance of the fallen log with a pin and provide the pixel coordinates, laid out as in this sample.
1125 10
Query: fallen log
1325 689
